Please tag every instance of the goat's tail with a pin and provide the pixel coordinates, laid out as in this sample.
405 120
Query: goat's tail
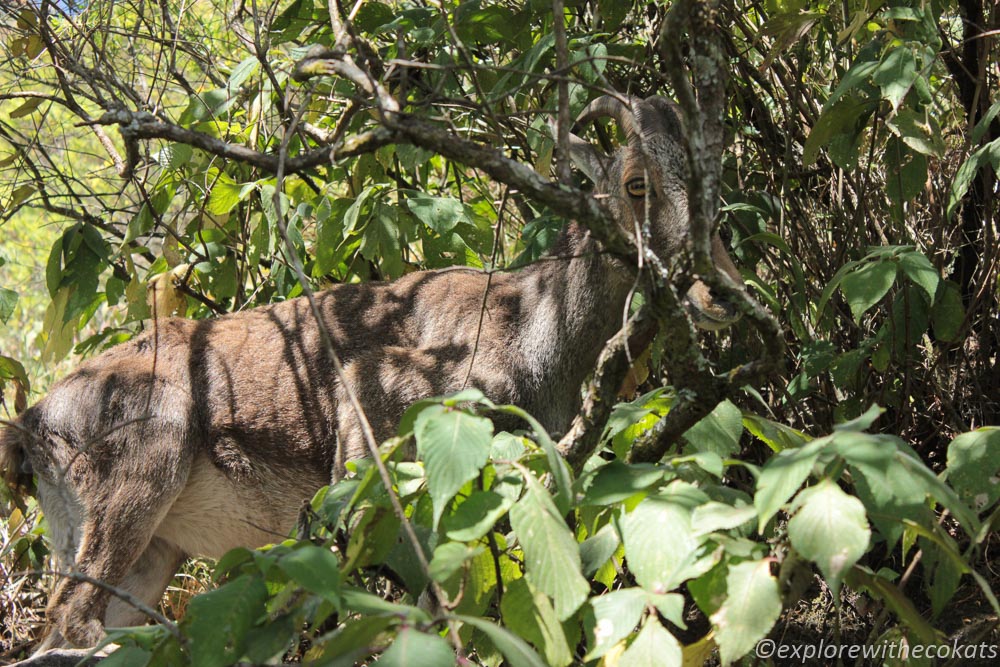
13 443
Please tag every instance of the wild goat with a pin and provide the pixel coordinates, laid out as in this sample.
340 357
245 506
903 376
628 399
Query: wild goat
200 436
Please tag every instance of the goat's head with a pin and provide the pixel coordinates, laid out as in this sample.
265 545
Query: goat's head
646 179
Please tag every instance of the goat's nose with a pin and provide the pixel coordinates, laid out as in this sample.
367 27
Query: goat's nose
718 296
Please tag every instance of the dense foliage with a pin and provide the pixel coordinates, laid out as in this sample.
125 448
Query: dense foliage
195 158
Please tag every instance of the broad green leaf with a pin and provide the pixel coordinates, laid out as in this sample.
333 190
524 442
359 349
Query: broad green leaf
242 72
920 270
314 568
984 123
551 553
615 616
353 640
774 434
659 544
449 558
367 604
8 300
380 240
267 644
886 486
654 647
865 286
454 446
412 648
862 68
225 195
173 156
714 516
529 614
906 175
948 313
718 432
598 548
895 74
439 213
617 481
862 422
514 649
882 589
842 118
27 107
918 131
126 656
782 476
985 155
218 622
751 608
476 516
974 467
830 528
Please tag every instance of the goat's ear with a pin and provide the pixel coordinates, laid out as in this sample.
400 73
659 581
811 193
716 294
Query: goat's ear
588 159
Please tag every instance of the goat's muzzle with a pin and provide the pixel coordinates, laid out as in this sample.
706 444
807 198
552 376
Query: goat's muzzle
709 310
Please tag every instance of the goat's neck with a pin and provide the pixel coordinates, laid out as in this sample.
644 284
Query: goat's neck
580 295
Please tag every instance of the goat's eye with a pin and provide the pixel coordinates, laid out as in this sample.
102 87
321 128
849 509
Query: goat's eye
636 187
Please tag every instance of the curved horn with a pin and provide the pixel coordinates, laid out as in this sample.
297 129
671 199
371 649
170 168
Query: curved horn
607 105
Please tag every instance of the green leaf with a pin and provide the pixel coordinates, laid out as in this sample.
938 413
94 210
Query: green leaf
126 656
718 432
551 553
353 640
225 195
514 649
267 644
173 156
948 313
654 647
441 214
858 74
774 434
918 131
454 446
314 568
840 119
529 614
830 528
27 107
782 476
412 648
218 622
906 174
617 481
862 422
865 286
381 241
988 154
920 270
887 488
974 466
751 608
659 544
476 516
714 516
895 74
615 616
8 300
598 548
449 558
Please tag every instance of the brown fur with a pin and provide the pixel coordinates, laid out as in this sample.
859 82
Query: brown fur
201 436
